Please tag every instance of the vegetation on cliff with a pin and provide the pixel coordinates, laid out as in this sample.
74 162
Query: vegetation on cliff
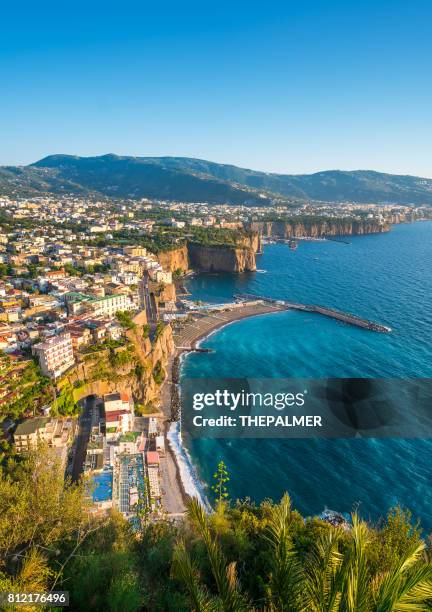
317 226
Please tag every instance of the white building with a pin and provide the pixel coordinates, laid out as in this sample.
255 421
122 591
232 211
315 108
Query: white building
110 304
119 414
163 277
55 355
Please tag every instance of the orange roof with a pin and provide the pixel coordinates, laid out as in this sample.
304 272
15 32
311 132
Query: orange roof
115 414
152 457
125 397
60 272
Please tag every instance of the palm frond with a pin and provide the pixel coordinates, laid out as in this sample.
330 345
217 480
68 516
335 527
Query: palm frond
184 570
324 575
224 575
286 589
407 586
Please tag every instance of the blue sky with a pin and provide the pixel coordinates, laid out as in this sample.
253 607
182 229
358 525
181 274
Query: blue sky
291 87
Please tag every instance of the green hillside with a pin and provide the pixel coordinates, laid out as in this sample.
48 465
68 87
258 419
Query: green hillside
195 180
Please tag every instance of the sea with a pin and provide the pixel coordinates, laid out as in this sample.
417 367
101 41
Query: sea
383 277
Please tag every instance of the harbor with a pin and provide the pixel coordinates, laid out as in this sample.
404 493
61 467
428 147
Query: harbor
345 317
203 323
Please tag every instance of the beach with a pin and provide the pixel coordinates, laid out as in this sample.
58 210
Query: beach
179 477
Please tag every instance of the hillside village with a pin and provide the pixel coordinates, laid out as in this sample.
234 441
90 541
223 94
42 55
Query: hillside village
90 291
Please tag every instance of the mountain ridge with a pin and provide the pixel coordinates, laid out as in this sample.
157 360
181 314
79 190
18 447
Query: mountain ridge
194 180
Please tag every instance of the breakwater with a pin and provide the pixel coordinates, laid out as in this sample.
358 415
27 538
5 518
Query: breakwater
345 317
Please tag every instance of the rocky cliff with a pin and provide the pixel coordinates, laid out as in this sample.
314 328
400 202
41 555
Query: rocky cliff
318 228
214 257
221 258
252 241
97 375
175 259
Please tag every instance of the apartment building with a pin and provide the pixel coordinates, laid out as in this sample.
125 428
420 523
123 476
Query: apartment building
135 251
57 433
110 304
119 414
55 355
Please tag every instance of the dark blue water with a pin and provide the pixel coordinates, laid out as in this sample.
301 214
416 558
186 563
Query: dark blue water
386 278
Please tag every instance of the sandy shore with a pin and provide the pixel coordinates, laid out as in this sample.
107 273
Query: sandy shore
179 479
205 324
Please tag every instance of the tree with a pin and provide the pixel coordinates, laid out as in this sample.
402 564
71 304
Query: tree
43 521
65 403
221 478
160 326
336 572
286 582
158 373
125 319
105 575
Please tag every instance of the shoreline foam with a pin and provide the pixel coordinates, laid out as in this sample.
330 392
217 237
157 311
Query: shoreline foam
192 485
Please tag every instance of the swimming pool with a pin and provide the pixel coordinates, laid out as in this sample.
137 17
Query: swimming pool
103 486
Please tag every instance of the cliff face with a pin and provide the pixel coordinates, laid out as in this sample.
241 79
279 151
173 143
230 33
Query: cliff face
252 241
98 377
209 258
221 258
318 229
176 259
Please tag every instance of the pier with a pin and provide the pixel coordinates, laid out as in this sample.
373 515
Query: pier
345 317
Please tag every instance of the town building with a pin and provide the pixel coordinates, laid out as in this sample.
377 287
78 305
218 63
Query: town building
57 433
55 355
119 414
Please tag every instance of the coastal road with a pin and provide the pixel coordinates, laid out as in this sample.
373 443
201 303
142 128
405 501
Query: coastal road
148 304
84 427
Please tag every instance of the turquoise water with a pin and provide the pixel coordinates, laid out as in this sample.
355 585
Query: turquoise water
386 278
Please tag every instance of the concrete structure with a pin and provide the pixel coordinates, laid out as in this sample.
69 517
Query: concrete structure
55 355
160 445
163 277
152 458
57 433
119 414
153 427
110 304
135 251
153 479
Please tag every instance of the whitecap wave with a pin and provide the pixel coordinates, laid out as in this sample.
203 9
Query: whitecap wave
191 483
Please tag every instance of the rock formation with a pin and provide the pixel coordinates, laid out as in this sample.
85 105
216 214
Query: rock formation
318 228
221 258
